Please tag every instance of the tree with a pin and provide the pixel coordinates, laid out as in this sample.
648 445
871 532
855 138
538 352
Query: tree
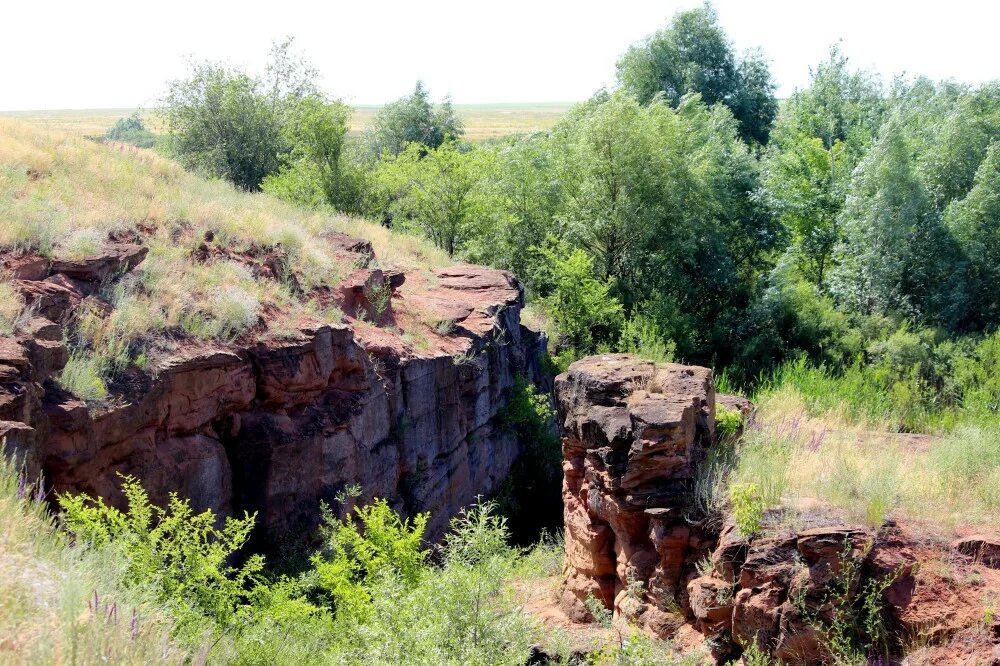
817 141
131 129
522 197
974 222
807 182
317 170
227 123
896 257
412 119
433 190
694 55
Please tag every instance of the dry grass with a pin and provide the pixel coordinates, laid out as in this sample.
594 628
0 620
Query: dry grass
482 121
47 594
798 462
63 196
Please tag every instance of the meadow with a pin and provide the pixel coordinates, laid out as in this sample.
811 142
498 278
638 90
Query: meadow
481 121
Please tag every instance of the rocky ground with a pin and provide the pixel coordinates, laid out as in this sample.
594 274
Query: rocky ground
634 434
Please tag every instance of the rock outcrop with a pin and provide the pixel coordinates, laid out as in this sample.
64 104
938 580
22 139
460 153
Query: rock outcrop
277 424
633 435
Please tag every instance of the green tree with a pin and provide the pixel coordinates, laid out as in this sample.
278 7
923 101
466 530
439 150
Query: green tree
229 124
694 55
318 169
581 305
974 222
818 139
522 198
412 119
131 129
808 182
434 191
896 257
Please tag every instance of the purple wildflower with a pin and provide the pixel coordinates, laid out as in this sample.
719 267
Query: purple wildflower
22 486
134 625
112 617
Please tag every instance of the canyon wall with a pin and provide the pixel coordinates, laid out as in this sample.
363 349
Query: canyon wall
278 424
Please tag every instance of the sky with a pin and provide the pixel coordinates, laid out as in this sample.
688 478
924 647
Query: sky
73 54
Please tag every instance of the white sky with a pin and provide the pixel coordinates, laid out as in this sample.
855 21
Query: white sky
57 54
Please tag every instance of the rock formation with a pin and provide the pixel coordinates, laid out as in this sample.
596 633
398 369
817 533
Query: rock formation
634 434
277 424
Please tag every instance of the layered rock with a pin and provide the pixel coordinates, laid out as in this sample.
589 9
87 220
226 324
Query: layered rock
277 425
633 435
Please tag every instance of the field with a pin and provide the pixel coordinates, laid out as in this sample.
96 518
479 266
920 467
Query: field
482 121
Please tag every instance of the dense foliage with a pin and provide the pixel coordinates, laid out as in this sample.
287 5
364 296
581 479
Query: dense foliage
371 593
686 215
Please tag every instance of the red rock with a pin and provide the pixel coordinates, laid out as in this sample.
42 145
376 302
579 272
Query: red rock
25 266
984 548
279 425
115 257
632 433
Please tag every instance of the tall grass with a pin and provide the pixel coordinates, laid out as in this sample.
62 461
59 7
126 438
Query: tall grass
865 395
63 604
797 460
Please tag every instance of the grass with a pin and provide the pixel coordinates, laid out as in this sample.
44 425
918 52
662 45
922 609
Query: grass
482 121
11 308
796 456
48 589
64 196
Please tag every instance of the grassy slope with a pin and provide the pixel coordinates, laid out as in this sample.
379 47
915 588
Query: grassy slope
63 196
482 121
832 440
48 589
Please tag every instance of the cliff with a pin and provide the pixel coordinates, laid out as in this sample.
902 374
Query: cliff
277 423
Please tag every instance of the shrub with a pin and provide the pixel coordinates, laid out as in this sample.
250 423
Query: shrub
728 421
748 508
372 543
83 377
183 555
132 130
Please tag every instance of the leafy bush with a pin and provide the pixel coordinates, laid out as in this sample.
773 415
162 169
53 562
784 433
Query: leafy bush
131 129
748 508
728 421
581 305
181 554
373 543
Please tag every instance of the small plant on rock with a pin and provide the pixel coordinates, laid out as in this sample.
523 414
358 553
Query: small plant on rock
748 508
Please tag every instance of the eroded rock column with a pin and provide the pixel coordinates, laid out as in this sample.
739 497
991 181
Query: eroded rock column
633 435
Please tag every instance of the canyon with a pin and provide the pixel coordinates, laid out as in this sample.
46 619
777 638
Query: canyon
275 425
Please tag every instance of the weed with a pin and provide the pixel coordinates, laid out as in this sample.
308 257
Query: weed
748 508
728 421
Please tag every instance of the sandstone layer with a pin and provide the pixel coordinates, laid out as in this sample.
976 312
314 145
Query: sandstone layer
275 424
641 541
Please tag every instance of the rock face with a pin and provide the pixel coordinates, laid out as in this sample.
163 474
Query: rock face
633 435
278 425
